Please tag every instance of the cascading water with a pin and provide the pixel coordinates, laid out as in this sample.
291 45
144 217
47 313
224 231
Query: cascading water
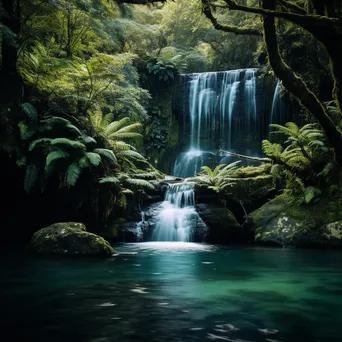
219 104
278 110
177 215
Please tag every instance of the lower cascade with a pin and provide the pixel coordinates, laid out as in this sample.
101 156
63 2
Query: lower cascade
177 214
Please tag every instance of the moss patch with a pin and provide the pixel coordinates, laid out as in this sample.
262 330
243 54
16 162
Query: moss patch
285 222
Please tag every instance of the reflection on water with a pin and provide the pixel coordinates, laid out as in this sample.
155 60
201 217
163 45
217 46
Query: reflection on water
175 292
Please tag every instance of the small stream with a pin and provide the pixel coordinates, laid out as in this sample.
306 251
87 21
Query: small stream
174 291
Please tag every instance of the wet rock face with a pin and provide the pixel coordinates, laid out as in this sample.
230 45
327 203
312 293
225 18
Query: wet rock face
222 225
69 239
283 221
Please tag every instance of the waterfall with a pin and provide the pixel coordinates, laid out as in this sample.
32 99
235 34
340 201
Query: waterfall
221 105
277 111
177 214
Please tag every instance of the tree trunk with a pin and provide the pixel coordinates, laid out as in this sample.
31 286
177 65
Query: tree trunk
297 86
10 81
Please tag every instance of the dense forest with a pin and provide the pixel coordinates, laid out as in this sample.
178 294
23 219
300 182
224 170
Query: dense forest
86 101
171 170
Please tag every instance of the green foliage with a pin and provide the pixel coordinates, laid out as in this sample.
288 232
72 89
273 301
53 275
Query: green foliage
304 160
218 179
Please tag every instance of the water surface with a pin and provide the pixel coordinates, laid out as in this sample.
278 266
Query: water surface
175 292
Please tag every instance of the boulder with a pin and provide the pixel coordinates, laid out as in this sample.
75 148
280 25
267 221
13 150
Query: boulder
222 226
286 221
70 239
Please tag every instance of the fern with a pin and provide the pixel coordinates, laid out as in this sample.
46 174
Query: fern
107 153
87 140
131 154
140 183
31 176
94 158
72 174
111 179
271 150
30 111
65 142
56 155
35 143
73 129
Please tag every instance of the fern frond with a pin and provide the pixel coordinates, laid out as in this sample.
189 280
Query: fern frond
131 154
140 183
73 129
128 135
31 176
111 179
72 174
116 125
107 153
56 155
87 140
94 158
271 150
65 142
34 143
30 111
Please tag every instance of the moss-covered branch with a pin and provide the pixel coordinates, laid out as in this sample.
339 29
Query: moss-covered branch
242 156
227 28
292 7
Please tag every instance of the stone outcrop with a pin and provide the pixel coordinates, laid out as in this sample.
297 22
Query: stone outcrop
284 221
69 239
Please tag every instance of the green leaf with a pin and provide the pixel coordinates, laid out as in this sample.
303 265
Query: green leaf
56 155
34 143
68 143
94 158
112 180
30 111
140 183
72 174
107 153
31 176
310 192
73 129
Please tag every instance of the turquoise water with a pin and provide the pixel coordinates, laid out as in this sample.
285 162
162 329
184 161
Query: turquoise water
175 292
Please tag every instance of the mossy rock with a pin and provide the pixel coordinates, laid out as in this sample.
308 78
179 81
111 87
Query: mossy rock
70 239
283 221
251 189
222 224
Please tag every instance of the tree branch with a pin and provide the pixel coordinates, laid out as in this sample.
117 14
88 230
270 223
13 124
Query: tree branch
241 156
226 28
306 21
292 6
